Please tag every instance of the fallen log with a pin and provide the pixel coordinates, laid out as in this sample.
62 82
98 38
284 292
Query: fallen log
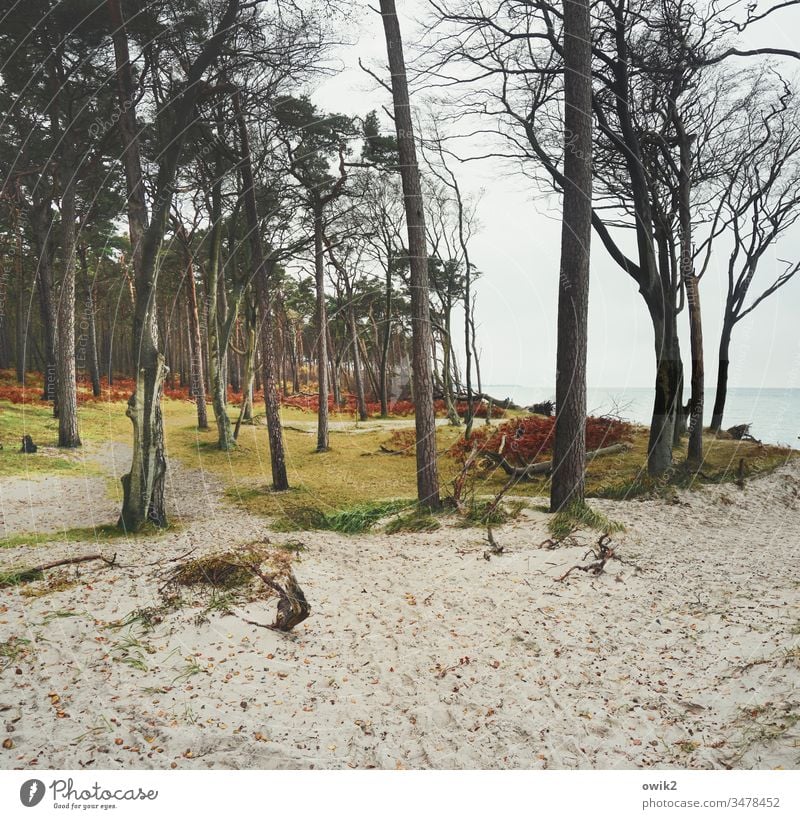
505 403
545 467
35 572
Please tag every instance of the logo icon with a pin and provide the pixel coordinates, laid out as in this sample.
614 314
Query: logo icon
31 792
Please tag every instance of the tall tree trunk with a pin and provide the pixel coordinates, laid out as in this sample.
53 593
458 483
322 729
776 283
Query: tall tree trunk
447 371
386 344
358 377
422 339
19 268
293 358
91 328
722 375
143 486
692 285
41 222
335 364
322 334
249 371
218 335
196 375
261 272
569 448
68 435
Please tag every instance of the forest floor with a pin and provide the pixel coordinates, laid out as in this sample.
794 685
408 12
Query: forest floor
419 652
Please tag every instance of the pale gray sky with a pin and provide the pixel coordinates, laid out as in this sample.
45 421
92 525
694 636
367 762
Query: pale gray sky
518 247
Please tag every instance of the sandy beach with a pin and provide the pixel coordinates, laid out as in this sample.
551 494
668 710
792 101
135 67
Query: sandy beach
419 652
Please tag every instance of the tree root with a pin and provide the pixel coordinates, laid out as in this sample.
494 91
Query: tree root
602 553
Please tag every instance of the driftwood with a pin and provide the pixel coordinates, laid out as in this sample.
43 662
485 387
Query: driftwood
35 572
505 403
293 607
602 554
545 467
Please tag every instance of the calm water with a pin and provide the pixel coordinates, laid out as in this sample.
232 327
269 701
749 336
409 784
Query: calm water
774 413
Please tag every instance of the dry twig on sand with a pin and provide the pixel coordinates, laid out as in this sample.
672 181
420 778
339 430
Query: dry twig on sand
602 554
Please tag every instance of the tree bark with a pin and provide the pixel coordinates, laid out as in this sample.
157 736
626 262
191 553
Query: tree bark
422 339
695 451
68 435
569 448
668 373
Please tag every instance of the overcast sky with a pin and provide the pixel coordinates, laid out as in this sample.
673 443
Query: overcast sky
517 248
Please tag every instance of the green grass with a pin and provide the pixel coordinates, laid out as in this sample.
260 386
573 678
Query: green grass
352 520
418 520
480 513
98 423
347 489
81 534
580 516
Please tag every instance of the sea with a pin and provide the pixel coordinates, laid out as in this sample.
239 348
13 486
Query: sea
774 413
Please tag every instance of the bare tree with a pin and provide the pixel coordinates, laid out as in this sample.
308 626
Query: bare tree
422 344
756 206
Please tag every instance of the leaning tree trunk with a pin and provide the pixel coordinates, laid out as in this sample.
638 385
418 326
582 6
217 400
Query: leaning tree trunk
322 335
422 338
261 275
447 373
722 376
569 448
143 486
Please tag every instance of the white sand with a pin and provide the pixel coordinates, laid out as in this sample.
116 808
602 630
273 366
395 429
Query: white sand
419 653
